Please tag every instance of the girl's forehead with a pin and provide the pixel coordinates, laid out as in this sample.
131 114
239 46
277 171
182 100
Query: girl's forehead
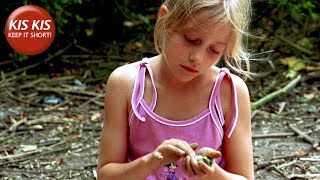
192 26
200 22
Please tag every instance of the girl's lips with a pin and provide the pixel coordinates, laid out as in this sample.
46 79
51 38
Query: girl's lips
189 69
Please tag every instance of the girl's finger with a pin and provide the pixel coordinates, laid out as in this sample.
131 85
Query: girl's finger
185 147
211 153
184 166
195 167
205 168
157 155
194 146
176 150
188 166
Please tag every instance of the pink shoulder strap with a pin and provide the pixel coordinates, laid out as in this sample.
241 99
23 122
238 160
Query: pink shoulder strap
139 86
215 101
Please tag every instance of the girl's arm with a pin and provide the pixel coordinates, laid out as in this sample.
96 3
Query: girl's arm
114 137
237 149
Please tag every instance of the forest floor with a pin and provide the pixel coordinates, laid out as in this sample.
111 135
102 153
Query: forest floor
50 124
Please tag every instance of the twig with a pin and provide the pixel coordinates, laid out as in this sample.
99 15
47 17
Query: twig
99 103
293 44
276 116
310 159
51 108
289 156
264 164
49 119
287 164
26 156
32 83
16 156
91 100
304 176
275 168
70 91
306 137
273 135
20 100
14 126
84 56
13 135
275 94
51 170
37 64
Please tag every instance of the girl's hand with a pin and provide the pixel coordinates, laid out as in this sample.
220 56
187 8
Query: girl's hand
170 151
199 169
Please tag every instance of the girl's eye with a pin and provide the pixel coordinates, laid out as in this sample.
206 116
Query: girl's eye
192 41
214 51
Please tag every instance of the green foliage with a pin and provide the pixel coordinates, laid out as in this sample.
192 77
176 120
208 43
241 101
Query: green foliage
299 10
138 19
303 9
19 57
67 19
293 22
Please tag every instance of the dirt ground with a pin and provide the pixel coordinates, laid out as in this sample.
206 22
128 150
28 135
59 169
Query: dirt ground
50 126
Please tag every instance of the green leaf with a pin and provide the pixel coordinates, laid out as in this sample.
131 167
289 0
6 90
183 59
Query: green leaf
143 18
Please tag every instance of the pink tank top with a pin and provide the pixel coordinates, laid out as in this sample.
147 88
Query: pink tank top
148 130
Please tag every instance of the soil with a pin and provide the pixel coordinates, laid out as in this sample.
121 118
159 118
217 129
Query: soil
50 126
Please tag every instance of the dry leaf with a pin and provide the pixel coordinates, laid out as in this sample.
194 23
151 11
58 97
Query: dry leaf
299 153
27 148
8 150
294 63
95 116
309 96
79 117
63 129
313 68
73 137
59 160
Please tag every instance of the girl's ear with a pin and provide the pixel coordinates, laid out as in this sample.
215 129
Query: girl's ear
163 11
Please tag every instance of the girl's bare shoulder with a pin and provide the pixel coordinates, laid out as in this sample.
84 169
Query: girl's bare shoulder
122 78
125 72
237 81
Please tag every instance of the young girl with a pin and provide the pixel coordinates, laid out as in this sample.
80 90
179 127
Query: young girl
162 111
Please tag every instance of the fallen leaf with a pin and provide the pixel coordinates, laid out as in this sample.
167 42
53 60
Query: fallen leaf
95 116
293 63
79 117
59 160
73 137
313 68
309 96
27 148
8 150
299 153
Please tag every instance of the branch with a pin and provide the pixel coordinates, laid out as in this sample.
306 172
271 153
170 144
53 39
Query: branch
293 44
275 94
306 137
37 64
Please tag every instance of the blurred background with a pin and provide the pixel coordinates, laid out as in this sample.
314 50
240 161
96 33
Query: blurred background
51 104
123 31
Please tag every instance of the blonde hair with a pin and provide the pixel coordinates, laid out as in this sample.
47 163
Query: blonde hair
237 13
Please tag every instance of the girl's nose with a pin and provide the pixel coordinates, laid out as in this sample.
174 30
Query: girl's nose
196 56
